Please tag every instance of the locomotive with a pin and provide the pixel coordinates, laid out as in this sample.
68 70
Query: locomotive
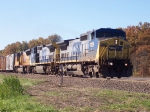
104 52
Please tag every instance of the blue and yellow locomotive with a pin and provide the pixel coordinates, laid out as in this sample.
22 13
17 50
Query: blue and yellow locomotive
103 52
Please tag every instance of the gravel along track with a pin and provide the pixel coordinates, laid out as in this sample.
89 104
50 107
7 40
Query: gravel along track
113 84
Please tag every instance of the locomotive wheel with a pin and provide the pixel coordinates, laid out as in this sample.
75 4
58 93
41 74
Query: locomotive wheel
119 77
104 76
47 71
90 74
97 75
65 73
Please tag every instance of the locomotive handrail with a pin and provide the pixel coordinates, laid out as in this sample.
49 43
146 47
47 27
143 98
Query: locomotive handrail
102 52
57 52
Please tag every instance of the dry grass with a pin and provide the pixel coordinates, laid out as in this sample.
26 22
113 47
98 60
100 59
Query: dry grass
76 99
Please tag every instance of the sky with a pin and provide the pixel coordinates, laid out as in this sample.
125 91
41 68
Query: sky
24 20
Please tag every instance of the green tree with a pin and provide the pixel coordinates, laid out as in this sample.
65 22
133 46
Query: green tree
24 45
54 38
41 41
17 46
1 52
33 43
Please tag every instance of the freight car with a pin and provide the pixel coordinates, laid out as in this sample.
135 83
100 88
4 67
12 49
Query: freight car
10 63
7 63
2 63
103 52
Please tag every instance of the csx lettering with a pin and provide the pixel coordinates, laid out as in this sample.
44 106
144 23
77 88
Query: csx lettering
113 48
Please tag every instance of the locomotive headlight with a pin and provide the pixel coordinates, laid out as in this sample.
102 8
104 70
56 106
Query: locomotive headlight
126 64
116 41
110 63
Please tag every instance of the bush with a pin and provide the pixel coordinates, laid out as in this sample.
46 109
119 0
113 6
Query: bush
10 87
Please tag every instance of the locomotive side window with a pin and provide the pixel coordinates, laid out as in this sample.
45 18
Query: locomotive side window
107 33
67 55
35 49
52 49
28 52
84 37
100 34
62 55
63 48
39 48
103 34
120 35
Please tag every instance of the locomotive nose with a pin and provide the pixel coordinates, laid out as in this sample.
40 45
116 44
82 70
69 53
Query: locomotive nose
118 69
114 55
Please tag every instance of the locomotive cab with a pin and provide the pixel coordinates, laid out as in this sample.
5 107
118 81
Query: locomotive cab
113 58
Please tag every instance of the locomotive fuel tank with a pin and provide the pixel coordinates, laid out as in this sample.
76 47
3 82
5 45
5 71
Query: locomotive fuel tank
75 69
72 67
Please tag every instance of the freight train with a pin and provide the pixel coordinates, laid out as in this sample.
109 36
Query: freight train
104 52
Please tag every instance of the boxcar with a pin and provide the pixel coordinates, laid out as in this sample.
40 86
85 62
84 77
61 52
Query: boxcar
10 63
2 63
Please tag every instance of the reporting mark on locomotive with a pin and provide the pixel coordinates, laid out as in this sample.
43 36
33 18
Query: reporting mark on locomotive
114 47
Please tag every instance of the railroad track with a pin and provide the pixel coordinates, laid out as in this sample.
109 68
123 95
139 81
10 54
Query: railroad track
138 79
131 84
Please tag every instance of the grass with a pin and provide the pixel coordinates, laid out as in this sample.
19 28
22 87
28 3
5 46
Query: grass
58 93
124 101
77 109
10 87
24 81
24 104
1 78
29 82
12 97
93 99
71 99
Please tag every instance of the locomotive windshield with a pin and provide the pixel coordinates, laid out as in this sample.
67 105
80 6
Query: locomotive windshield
109 33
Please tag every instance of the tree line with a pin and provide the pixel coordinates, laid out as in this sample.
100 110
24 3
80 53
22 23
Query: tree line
24 45
138 36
